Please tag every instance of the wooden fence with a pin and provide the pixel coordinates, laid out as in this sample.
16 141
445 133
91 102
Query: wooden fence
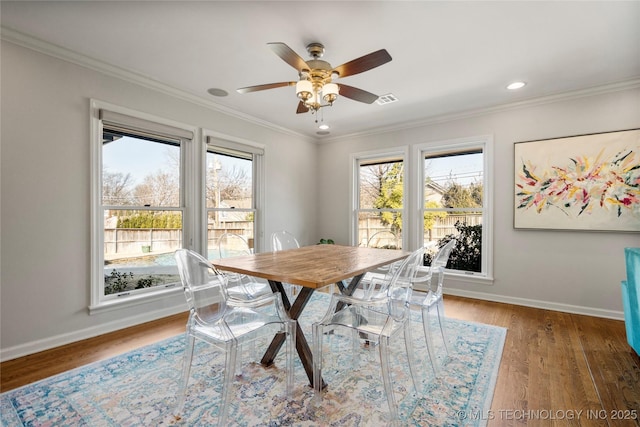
369 226
129 241
143 240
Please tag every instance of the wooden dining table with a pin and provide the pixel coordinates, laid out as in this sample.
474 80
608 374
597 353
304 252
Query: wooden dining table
311 267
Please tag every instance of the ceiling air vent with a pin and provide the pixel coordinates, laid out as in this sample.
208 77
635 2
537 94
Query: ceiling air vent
386 99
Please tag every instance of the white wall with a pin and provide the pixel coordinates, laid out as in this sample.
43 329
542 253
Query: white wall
569 271
45 202
45 173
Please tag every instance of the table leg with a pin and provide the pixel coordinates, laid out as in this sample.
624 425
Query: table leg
302 346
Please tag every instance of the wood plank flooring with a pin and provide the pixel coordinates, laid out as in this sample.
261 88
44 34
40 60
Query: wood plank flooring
557 369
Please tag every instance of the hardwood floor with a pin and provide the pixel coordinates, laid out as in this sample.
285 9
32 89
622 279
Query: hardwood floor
557 369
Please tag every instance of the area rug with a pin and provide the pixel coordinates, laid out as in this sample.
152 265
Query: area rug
139 388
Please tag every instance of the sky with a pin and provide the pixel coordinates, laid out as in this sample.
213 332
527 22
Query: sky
137 157
141 158
464 169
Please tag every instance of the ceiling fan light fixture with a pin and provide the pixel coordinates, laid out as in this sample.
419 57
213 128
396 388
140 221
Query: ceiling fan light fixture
304 89
330 92
314 101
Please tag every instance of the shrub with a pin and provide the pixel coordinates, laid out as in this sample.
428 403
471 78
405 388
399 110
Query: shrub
145 282
116 282
467 254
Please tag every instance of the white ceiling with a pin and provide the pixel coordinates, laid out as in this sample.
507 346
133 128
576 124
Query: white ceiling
448 57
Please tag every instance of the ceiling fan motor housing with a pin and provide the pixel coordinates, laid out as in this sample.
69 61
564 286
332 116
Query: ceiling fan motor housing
316 50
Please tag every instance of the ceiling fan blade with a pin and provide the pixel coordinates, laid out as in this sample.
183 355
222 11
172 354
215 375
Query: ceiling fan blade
289 56
364 63
264 87
302 108
357 94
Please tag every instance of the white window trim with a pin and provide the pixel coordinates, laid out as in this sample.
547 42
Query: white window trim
486 142
98 303
355 159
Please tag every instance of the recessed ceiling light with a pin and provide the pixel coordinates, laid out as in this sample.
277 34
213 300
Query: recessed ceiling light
217 92
516 85
323 126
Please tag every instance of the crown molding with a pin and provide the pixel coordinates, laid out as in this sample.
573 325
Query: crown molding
62 53
548 99
68 55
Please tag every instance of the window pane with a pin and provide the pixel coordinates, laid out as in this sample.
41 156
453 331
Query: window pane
139 172
228 221
229 181
229 184
454 180
380 185
467 230
138 249
380 230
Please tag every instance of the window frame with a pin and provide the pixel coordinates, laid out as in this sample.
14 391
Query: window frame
99 302
357 159
484 143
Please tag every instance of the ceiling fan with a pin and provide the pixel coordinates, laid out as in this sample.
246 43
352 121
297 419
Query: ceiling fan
316 76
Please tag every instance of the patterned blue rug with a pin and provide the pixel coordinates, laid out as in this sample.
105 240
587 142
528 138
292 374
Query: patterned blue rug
138 388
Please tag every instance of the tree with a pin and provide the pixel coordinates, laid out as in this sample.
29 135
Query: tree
430 218
460 196
390 196
227 184
372 178
159 189
116 188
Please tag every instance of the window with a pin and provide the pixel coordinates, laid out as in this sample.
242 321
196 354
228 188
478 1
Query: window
139 206
379 203
231 191
455 195
156 188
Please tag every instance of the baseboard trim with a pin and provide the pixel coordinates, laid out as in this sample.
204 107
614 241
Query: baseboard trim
63 339
546 305
68 338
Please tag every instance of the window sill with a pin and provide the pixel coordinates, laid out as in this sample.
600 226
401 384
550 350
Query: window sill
133 300
474 279
457 278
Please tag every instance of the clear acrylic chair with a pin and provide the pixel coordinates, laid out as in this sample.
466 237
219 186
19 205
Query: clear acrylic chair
380 240
227 324
281 241
240 286
383 240
431 300
379 318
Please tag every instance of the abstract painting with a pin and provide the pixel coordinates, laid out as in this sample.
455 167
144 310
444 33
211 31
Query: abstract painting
586 182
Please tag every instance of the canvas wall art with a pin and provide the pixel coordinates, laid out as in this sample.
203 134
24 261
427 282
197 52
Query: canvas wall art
586 182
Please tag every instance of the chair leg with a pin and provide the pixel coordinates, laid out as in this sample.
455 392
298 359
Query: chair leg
386 378
441 317
408 342
230 363
317 362
355 348
427 335
186 372
290 327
